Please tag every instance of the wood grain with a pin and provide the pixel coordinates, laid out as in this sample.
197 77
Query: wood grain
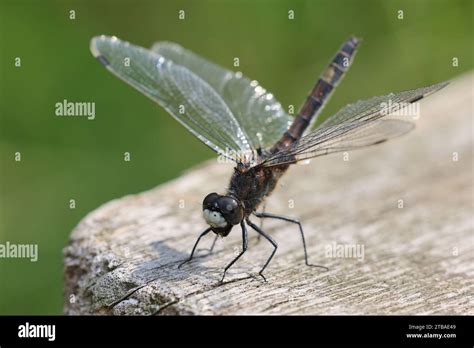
418 259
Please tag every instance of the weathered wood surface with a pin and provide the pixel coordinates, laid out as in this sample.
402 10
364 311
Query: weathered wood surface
123 257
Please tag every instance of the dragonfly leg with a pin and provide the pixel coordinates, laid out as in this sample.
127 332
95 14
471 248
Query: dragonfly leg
211 249
213 243
195 245
244 249
270 239
284 218
259 236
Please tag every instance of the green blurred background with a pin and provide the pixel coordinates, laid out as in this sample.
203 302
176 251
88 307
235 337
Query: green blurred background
74 158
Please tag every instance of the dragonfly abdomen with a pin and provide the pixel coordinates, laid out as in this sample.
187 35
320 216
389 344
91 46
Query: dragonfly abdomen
319 95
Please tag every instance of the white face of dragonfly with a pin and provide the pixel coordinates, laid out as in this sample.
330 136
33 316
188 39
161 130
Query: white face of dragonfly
214 218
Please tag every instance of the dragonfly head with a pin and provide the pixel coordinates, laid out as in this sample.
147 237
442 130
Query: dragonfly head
222 212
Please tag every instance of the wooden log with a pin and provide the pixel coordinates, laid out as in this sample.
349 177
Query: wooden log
408 203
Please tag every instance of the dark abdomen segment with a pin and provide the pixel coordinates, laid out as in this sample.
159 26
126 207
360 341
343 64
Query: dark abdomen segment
319 95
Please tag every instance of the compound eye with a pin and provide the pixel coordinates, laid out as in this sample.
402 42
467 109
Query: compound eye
227 204
231 210
210 200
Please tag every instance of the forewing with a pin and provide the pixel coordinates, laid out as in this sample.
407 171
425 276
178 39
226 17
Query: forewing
355 126
257 111
186 96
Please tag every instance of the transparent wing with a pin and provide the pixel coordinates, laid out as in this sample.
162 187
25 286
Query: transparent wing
186 96
380 106
356 125
259 114
351 137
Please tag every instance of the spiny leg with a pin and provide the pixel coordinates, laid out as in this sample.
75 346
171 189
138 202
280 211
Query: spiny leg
244 249
195 245
284 218
270 239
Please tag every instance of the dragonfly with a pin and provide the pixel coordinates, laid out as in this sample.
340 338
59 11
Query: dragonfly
241 121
